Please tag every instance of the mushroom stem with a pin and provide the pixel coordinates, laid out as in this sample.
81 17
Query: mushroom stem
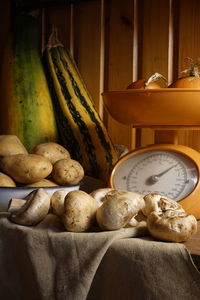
15 204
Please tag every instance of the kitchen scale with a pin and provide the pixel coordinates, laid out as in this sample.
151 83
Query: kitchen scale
165 167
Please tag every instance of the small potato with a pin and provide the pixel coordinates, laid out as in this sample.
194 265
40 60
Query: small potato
10 145
26 168
42 183
79 211
6 180
52 151
67 172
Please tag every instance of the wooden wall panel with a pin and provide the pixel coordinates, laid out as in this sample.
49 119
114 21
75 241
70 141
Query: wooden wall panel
154 42
189 46
116 42
87 45
5 17
138 38
119 59
60 17
155 37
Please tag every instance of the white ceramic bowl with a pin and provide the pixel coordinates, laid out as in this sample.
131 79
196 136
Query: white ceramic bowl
87 184
7 193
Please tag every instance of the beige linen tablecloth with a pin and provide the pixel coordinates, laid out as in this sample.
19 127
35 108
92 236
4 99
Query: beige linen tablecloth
46 263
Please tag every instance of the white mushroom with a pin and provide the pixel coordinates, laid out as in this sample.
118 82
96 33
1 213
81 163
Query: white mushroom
57 202
132 222
173 226
15 204
158 203
118 208
34 210
99 195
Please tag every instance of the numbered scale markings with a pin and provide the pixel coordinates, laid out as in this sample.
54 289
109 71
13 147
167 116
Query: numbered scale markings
164 171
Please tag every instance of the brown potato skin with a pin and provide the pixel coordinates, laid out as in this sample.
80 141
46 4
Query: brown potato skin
10 145
52 151
6 180
79 211
26 168
67 172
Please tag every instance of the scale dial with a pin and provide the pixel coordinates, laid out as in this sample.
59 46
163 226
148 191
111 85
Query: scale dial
169 170
163 172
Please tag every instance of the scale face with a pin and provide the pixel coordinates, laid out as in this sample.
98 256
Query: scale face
169 170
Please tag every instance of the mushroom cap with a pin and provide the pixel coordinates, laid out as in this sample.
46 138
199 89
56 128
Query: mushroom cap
118 208
99 195
158 203
173 226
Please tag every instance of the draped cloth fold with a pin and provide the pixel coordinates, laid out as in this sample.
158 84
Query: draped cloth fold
45 262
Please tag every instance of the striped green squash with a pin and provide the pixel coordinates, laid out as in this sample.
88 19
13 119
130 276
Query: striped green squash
81 129
26 108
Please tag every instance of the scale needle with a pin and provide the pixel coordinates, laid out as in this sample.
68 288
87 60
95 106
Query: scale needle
154 178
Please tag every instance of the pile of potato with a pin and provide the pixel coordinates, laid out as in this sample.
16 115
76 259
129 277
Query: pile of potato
49 164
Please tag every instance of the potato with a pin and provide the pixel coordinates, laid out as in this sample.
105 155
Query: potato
10 145
26 168
79 211
6 180
42 183
67 172
52 151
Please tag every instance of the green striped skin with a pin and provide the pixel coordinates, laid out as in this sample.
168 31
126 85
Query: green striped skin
25 103
81 128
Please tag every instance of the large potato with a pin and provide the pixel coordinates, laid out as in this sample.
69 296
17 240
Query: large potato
79 211
10 145
6 180
26 168
52 151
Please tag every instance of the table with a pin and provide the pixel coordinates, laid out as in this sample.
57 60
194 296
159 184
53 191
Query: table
193 246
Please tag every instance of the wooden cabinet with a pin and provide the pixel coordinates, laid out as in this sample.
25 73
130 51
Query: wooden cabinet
115 42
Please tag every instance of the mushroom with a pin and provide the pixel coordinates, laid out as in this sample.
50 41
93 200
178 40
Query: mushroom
118 208
34 210
99 195
158 203
172 225
57 202
15 204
